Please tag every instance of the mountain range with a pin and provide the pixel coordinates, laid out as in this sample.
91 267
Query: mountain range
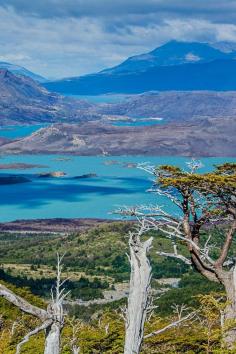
173 66
23 101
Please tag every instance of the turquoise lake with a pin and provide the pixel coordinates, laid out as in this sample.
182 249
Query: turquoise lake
139 122
67 197
19 131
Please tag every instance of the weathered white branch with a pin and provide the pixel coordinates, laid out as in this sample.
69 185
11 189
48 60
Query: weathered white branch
194 165
151 169
171 231
75 325
53 333
22 304
158 219
38 329
167 194
177 256
107 328
53 318
171 325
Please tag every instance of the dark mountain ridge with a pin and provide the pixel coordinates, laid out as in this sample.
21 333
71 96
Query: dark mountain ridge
174 66
171 53
218 75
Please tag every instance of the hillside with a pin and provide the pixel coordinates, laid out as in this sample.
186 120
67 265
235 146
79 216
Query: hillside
97 265
173 66
174 105
206 137
22 100
104 244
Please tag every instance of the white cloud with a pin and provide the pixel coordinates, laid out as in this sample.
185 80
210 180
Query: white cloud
14 57
67 46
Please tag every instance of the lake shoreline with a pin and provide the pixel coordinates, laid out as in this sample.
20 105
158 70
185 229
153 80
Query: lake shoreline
53 225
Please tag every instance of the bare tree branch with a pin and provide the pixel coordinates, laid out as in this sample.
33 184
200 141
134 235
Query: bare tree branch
22 304
177 256
38 329
171 325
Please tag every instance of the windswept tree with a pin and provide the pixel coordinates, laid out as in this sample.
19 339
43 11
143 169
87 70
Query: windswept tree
203 220
51 319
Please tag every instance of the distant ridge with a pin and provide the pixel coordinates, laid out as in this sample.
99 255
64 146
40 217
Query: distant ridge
174 66
218 75
171 53
19 70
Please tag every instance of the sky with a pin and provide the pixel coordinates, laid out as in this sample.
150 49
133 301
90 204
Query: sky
63 38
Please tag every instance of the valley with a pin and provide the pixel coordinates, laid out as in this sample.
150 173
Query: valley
108 267
73 153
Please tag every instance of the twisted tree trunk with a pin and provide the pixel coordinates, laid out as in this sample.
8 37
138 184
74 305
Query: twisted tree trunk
53 333
229 281
140 278
52 342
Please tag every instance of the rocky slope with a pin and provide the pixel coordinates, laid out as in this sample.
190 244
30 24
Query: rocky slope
22 100
174 105
208 137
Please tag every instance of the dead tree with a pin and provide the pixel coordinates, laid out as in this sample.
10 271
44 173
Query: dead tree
140 278
73 340
51 320
203 202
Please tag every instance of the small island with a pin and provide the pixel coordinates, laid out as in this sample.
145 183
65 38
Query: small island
56 174
14 179
86 175
20 166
